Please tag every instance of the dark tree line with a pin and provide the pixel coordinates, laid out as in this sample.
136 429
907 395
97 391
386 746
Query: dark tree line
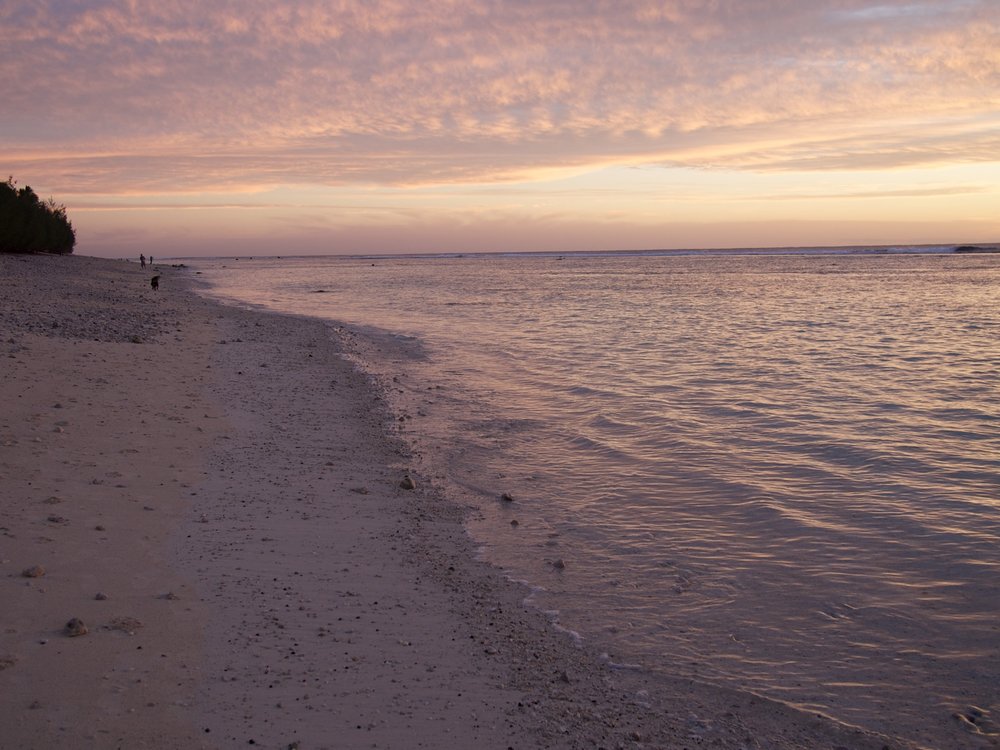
30 225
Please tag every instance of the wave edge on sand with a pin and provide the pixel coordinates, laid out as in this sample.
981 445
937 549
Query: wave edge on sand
286 588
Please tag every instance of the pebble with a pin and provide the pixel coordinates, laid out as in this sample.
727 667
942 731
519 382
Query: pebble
35 571
408 483
507 497
101 597
76 627
559 564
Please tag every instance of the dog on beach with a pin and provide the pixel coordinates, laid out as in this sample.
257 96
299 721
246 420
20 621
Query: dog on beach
155 282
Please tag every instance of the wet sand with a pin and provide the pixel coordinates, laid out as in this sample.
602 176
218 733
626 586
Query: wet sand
216 494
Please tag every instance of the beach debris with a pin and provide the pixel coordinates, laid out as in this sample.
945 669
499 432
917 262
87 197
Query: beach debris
170 596
57 519
101 597
514 522
559 564
75 627
408 483
35 571
507 497
125 624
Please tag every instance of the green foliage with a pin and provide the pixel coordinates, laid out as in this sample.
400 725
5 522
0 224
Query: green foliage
29 225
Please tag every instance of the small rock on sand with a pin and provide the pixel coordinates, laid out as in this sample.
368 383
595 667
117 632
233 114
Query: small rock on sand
408 483
76 627
507 497
35 571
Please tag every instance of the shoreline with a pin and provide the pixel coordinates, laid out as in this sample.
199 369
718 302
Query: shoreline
288 589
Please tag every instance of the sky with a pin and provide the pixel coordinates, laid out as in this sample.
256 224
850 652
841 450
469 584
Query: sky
256 127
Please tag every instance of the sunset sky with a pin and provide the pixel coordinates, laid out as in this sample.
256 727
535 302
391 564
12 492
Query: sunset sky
242 127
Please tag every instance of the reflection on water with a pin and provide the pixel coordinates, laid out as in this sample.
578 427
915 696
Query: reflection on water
777 473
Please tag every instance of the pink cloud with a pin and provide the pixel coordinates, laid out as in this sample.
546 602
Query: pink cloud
136 95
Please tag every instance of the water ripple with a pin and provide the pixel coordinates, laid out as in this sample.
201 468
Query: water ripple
781 474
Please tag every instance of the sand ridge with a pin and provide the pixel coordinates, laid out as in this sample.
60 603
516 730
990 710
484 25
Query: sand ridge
268 580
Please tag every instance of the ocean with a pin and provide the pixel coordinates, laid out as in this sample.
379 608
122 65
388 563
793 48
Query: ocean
774 472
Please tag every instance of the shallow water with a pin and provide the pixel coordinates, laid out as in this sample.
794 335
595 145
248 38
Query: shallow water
774 473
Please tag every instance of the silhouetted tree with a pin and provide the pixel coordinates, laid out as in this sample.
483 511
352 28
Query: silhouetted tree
29 225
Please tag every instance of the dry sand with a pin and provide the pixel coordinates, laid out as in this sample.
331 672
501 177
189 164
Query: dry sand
216 494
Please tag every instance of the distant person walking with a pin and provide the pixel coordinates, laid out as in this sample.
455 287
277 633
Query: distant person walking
155 282
150 260
142 260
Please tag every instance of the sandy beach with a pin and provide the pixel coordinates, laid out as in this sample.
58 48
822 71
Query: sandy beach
215 498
